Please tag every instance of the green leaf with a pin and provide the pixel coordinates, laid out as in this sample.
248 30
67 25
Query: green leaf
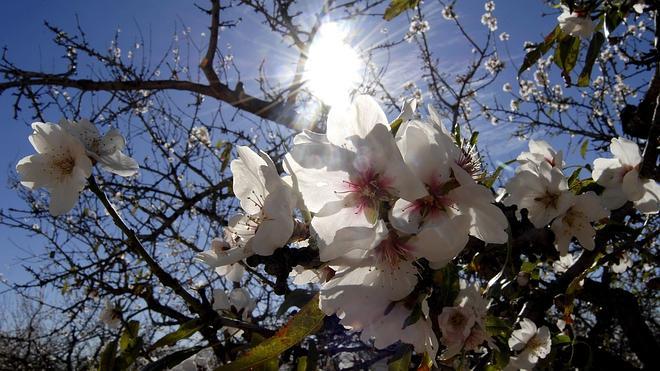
490 180
172 359
496 326
447 281
566 53
397 7
561 339
394 126
596 43
183 332
225 156
533 55
307 321
473 138
400 361
583 148
301 363
573 180
129 336
527 267
414 316
296 298
107 361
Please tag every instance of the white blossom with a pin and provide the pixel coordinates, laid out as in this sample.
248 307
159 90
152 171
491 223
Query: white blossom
111 315
105 149
621 179
576 24
543 192
60 165
576 222
530 342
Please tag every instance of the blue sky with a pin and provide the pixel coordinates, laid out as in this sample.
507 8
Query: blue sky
30 46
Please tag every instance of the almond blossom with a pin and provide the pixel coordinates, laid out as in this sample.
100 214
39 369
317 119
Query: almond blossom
104 149
462 325
346 175
368 309
576 222
447 172
268 203
111 315
60 165
219 247
544 193
540 151
530 342
621 179
576 23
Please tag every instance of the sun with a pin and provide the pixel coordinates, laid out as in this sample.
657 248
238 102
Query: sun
333 66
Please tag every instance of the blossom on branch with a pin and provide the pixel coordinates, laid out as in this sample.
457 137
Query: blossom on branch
60 165
621 179
578 24
104 149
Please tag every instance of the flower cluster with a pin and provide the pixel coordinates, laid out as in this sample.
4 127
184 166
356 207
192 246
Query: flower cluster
381 202
387 206
540 187
65 155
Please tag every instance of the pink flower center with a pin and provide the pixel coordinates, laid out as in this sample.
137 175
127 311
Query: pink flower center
437 201
393 250
369 188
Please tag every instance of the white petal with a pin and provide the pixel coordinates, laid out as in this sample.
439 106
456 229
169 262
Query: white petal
632 185
608 172
626 151
35 171
650 202
358 120
118 163
442 242
63 197
111 142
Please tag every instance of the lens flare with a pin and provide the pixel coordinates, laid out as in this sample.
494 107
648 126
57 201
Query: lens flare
332 70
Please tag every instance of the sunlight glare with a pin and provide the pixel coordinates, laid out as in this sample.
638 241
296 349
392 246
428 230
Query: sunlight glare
333 67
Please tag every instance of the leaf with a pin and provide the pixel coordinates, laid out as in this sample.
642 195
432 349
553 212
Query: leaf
490 180
414 316
596 43
129 344
527 267
225 156
107 361
301 363
561 339
172 359
307 321
566 53
583 148
473 138
573 180
183 332
394 126
447 281
296 298
532 56
400 361
496 326
397 7
129 336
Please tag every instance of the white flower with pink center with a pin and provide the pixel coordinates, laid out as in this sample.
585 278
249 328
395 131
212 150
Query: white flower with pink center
447 172
370 310
347 175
